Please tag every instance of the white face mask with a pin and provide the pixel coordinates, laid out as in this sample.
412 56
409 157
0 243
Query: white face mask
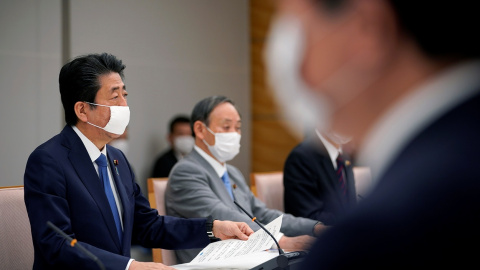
226 147
283 57
183 144
119 118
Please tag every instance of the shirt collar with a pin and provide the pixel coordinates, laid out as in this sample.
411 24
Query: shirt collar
333 152
219 168
92 150
409 116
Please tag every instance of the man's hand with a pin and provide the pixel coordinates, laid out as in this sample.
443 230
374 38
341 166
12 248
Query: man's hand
302 242
148 265
231 230
319 229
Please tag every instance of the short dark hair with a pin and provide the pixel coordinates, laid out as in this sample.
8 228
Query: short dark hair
179 119
201 111
79 80
441 29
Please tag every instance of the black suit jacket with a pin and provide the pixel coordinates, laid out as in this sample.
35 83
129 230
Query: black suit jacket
62 186
424 211
311 184
164 164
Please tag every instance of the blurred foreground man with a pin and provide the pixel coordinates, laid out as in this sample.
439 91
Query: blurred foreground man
401 78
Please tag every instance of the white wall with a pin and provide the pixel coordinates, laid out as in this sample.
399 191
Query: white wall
176 53
30 107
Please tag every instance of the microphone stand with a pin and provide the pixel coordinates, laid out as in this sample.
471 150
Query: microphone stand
284 260
74 243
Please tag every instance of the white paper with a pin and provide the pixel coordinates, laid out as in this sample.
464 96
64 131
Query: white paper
244 262
258 241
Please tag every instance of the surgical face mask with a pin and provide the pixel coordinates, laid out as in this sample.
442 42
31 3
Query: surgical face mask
226 147
304 109
119 118
183 144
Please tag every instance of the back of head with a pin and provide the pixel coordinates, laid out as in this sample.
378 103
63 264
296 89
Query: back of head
444 30
79 80
201 111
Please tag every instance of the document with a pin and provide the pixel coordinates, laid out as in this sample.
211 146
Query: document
258 241
244 262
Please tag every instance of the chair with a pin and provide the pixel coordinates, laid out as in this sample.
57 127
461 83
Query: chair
16 246
268 187
156 196
363 180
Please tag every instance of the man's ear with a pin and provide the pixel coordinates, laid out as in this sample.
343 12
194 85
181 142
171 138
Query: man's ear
80 110
199 129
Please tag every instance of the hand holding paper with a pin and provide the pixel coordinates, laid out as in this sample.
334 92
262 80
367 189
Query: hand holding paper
231 230
257 241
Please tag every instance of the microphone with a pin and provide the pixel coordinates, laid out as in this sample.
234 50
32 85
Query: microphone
254 219
284 260
74 243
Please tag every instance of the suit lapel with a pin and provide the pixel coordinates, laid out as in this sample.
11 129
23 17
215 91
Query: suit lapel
114 162
85 170
326 164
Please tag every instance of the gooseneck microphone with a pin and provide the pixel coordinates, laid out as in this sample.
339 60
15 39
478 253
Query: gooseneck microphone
254 219
74 243
283 261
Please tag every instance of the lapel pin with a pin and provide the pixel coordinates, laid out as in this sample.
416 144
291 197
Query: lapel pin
234 186
347 162
115 161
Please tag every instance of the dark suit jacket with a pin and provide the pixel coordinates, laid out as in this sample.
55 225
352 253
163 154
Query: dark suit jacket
311 184
164 164
62 186
424 211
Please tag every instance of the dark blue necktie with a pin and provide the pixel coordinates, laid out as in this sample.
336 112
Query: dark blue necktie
226 182
340 174
103 174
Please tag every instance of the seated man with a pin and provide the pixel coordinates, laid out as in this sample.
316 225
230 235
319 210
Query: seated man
87 188
202 184
318 179
181 143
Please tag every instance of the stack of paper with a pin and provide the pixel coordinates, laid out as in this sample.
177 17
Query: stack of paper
258 241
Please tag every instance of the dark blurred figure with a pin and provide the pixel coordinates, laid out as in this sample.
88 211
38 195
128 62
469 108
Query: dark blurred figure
318 179
402 78
181 143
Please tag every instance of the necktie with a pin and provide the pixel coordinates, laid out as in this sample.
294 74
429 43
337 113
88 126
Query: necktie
226 182
103 174
340 174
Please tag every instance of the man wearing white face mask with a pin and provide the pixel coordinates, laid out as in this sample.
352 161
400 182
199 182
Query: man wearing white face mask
181 143
87 188
203 183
